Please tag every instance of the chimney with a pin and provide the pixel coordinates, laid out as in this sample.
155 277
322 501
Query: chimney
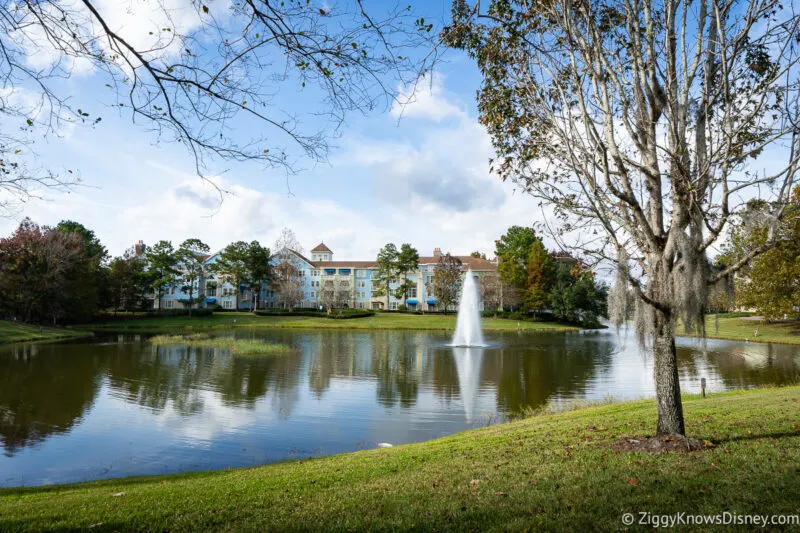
139 248
437 252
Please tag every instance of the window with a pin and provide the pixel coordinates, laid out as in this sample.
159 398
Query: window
393 306
314 273
362 283
361 273
301 273
412 292
227 304
211 290
361 305
168 304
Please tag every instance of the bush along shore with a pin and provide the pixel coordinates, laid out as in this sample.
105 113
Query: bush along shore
235 346
556 472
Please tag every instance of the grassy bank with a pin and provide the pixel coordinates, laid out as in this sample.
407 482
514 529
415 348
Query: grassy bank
551 472
379 321
740 328
236 346
10 332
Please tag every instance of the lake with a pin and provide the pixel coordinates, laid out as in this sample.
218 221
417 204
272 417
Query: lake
118 406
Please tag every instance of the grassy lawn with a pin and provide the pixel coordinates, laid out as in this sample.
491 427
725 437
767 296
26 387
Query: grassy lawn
379 321
548 472
739 328
10 332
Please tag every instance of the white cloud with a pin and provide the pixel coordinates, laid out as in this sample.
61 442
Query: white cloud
426 100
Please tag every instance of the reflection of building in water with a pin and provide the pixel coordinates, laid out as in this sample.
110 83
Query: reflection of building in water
468 365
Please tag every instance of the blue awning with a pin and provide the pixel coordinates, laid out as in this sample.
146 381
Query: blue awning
412 302
344 271
432 301
330 271
211 300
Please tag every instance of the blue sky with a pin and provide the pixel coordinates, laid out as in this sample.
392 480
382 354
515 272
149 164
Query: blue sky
421 178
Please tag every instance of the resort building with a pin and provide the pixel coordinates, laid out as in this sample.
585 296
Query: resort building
354 284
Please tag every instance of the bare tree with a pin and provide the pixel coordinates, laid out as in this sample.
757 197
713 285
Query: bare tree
288 281
447 281
328 295
197 73
645 126
490 291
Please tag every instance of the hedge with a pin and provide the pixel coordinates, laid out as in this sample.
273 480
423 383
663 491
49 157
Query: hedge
109 316
344 313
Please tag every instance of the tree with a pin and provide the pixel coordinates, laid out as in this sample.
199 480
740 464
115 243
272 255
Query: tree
41 270
540 270
575 296
162 267
447 280
128 282
259 270
287 280
640 127
771 285
233 266
189 77
90 285
328 295
386 272
478 255
407 261
191 256
512 251
491 291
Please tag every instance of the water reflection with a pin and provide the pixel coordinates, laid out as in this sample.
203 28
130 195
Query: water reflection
43 391
121 406
468 365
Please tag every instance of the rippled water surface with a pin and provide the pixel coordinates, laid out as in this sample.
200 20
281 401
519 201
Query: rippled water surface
119 406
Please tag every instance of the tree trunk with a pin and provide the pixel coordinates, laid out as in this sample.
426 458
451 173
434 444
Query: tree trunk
668 390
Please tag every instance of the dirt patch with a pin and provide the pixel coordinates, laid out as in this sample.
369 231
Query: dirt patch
661 444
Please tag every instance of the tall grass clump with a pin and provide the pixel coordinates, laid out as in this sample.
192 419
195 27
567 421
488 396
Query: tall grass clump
236 346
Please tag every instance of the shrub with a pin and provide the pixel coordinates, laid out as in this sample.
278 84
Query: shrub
156 313
342 313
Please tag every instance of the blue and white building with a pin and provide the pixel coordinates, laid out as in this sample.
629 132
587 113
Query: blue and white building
355 283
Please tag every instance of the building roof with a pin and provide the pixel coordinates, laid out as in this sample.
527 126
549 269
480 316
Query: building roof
344 264
474 263
321 248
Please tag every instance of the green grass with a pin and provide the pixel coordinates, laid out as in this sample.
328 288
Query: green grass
10 332
739 328
236 346
379 321
546 473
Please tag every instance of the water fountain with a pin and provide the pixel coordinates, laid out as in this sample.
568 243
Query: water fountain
468 324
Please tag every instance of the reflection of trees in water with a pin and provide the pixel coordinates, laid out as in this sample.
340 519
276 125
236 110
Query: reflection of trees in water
155 376
399 361
44 390
331 355
741 365
561 366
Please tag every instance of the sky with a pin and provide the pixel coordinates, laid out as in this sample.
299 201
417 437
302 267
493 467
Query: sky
415 174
